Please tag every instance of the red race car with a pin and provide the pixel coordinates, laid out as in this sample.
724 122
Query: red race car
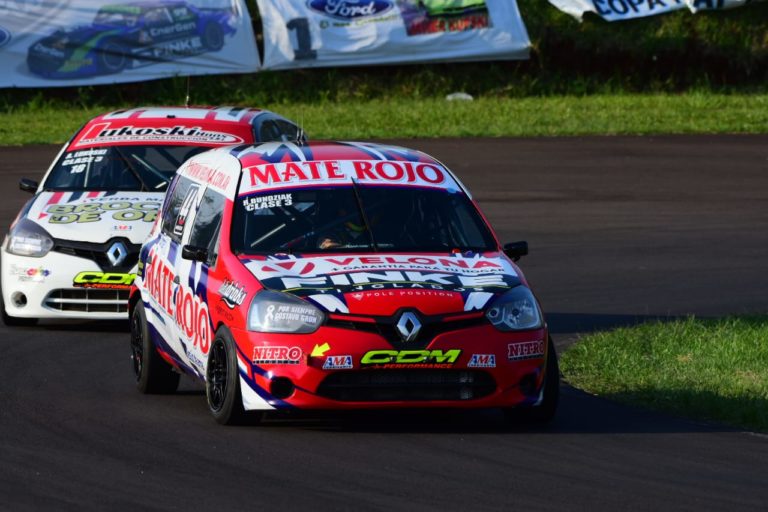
335 275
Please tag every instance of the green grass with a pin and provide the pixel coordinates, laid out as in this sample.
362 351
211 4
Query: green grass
494 117
706 369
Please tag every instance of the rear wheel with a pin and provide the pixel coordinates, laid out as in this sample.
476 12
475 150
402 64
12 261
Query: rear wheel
545 411
222 382
153 374
112 57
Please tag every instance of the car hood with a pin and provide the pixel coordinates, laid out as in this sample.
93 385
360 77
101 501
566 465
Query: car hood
96 216
380 284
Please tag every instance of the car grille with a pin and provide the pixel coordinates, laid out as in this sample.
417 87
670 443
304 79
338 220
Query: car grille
88 300
406 385
431 328
98 253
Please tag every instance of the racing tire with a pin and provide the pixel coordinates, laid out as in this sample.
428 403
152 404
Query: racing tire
545 411
213 37
222 381
153 373
13 321
112 57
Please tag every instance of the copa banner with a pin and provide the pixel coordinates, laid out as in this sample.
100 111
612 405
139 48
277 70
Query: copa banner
57 43
315 33
615 10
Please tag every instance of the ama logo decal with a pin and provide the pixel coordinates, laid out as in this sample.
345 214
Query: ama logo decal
5 37
348 10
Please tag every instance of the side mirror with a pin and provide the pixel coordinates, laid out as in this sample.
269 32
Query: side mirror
516 250
28 185
190 252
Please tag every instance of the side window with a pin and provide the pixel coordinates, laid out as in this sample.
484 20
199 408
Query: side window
269 132
288 130
205 231
178 206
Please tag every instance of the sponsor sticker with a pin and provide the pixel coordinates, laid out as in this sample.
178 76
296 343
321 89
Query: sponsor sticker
349 10
338 363
482 361
93 211
108 280
276 355
411 358
525 350
232 294
122 228
30 274
271 201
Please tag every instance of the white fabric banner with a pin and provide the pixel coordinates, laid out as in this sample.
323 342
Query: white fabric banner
616 10
316 33
60 43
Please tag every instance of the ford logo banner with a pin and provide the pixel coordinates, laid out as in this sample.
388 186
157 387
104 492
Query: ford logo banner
350 9
5 36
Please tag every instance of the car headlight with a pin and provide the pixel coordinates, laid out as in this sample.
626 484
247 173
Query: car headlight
284 313
29 239
516 310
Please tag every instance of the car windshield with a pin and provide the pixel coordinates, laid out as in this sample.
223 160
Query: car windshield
131 168
330 220
118 19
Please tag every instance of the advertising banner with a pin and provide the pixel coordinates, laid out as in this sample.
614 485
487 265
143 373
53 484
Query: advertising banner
316 33
616 10
61 43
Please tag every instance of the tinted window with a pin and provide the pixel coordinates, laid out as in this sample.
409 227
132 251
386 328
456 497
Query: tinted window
134 168
178 206
205 230
329 219
278 130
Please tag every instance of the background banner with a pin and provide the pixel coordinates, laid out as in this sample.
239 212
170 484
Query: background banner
315 33
58 43
616 10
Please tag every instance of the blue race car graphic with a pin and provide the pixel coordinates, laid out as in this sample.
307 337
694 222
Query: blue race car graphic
126 35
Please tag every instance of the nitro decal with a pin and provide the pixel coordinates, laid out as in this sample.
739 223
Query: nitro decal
232 294
77 161
179 302
107 280
348 10
338 363
411 358
261 202
276 355
525 350
92 210
281 175
364 273
105 133
482 361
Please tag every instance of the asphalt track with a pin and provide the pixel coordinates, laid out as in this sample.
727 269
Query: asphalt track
621 229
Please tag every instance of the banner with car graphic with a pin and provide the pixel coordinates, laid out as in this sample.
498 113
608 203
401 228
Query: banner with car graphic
316 33
59 43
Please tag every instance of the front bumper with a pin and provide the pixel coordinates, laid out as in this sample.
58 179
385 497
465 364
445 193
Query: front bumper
337 368
45 288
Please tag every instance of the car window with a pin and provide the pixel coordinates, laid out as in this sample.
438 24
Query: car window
278 130
207 221
178 207
130 168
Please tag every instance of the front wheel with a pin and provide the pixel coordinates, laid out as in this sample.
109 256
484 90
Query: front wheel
213 37
153 374
545 411
222 381
112 57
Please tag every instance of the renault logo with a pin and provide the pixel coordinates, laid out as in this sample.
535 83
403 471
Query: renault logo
408 326
116 253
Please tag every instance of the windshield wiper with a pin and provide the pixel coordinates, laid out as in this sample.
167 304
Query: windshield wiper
363 215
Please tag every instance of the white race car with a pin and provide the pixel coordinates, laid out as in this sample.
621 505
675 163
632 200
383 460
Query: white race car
73 248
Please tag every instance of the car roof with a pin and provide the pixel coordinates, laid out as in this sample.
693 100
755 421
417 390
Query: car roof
275 166
194 126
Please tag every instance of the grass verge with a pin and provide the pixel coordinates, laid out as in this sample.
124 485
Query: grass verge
706 369
493 117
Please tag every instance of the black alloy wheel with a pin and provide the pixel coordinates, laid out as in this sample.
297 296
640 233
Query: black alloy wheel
222 381
153 373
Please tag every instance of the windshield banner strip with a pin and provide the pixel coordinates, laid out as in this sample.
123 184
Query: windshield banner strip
273 176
